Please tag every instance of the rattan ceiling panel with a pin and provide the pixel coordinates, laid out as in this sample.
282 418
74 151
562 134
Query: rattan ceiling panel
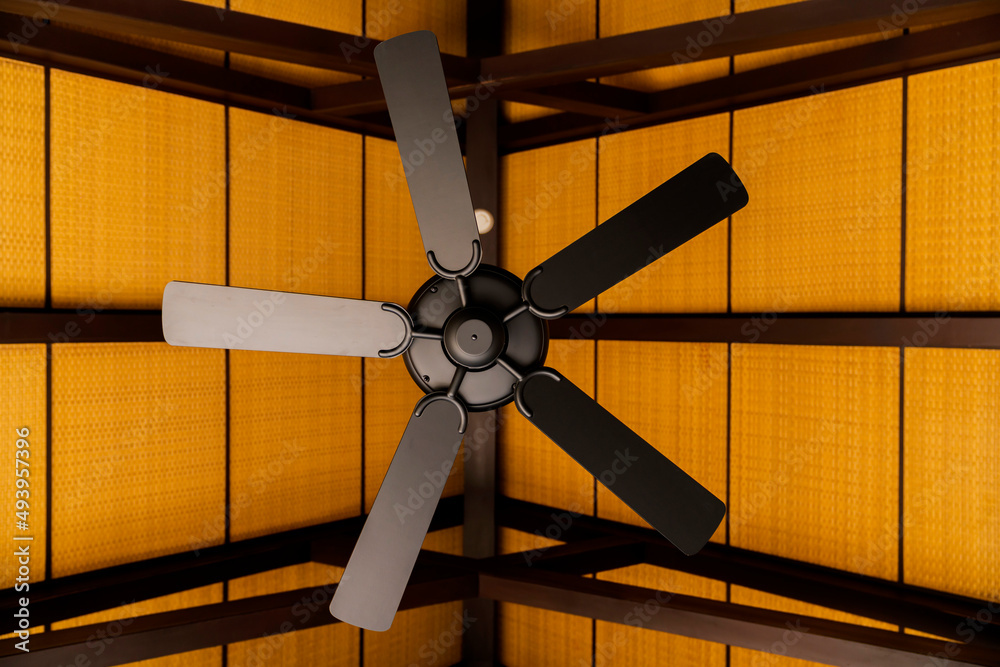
389 18
23 391
536 24
118 618
138 192
339 15
951 464
674 396
138 452
529 465
822 231
625 16
22 184
336 645
693 278
547 202
952 190
815 455
630 643
530 637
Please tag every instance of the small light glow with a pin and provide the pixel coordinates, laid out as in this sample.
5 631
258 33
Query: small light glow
484 219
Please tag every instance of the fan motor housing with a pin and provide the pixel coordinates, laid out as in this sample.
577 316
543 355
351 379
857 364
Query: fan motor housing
474 337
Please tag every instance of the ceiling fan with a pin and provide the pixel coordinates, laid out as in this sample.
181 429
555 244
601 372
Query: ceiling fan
474 337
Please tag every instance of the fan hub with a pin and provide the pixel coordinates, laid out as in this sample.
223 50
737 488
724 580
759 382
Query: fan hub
464 328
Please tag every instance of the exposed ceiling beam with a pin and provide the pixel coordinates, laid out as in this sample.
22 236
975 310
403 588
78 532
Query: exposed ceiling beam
909 54
795 635
56 46
776 27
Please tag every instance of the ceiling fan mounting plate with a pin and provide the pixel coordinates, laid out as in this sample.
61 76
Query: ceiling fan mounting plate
448 313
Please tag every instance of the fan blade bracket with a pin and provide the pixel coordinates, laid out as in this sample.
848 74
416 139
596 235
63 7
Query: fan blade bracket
522 382
463 414
543 313
477 256
400 312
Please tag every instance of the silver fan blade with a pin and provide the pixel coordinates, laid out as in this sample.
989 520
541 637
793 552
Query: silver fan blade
235 318
409 67
369 592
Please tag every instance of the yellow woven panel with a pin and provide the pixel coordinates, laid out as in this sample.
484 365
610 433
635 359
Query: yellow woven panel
815 455
774 56
340 15
951 463
138 451
427 635
530 637
121 617
295 441
624 16
532 467
952 209
395 263
390 397
389 18
741 657
138 199
22 184
547 201
22 388
674 396
628 643
822 230
536 24
295 206
336 645
692 278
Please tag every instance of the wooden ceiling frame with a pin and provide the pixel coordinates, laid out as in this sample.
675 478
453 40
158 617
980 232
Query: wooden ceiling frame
553 578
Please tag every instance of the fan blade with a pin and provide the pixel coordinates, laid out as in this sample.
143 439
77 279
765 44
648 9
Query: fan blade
681 509
369 592
702 195
235 318
409 67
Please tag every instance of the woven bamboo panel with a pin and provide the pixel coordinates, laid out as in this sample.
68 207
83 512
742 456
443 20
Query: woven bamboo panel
395 263
336 645
121 617
952 209
340 15
295 206
23 398
203 54
22 184
138 452
624 16
674 396
138 192
547 201
629 643
427 635
763 58
532 467
815 455
741 657
390 398
951 464
536 24
389 18
822 231
692 278
530 637
295 437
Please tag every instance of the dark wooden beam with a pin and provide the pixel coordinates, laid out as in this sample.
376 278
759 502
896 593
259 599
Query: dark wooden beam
794 635
56 46
776 27
168 633
84 325
226 30
934 612
943 329
76 595
914 53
